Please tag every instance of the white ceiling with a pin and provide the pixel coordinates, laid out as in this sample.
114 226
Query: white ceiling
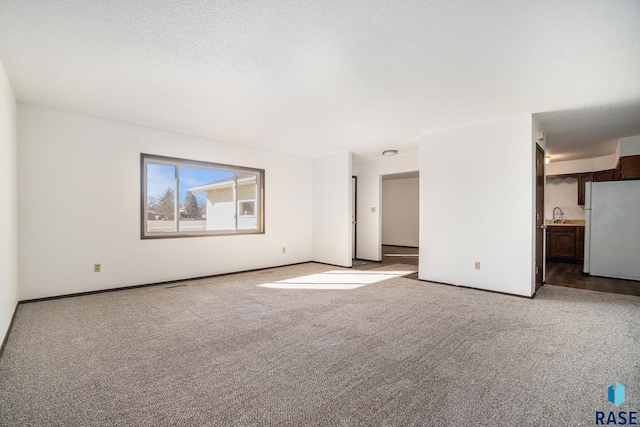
311 78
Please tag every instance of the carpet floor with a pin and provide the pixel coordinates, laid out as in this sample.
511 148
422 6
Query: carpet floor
226 352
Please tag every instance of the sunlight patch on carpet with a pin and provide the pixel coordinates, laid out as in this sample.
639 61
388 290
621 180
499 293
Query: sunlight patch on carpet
336 279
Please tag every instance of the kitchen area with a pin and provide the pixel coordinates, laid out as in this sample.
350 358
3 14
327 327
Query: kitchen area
592 220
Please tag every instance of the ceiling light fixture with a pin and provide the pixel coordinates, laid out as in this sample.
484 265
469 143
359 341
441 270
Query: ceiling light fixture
547 160
389 153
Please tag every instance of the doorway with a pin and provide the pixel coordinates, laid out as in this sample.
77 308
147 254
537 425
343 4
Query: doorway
400 218
400 210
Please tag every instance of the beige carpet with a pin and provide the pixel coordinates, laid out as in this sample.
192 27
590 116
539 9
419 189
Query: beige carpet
399 352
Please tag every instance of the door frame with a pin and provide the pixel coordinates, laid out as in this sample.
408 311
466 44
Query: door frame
539 265
354 219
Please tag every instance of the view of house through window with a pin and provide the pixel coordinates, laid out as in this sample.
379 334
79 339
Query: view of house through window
189 198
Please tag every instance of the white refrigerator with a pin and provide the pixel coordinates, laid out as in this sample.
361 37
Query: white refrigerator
612 229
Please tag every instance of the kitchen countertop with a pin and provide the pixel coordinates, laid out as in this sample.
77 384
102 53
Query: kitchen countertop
568 222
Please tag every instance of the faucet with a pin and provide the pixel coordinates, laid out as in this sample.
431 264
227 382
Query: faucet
559 216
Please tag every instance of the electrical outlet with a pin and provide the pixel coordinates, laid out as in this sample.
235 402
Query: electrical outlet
284 250
96 268
373 209
477 265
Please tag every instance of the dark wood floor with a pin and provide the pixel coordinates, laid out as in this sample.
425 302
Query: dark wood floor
558 273
388 258
571 275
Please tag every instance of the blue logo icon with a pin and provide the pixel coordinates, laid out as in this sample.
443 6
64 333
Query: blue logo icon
616 394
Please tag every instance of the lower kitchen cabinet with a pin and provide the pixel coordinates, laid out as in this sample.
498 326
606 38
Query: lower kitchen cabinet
580 243
565 242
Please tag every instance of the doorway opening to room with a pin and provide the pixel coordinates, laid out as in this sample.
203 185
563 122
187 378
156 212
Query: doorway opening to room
567 214
399 217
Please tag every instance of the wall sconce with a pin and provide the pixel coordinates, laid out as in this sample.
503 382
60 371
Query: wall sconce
547 160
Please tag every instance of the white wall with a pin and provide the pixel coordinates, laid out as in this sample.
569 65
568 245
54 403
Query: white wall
535 128
332 239
477 204
79 204
563 193
9 204
582 165
400 212
369 173
629 146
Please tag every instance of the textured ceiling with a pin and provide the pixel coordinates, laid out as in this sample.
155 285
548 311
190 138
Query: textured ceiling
311 78
589 132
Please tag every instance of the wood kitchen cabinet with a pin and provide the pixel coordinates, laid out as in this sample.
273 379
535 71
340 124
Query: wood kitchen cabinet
628 167
606 175
565 242
580 244
582 179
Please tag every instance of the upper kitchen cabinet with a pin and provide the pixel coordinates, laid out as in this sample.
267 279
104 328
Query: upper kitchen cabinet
606 175
582 179
628 167
599 176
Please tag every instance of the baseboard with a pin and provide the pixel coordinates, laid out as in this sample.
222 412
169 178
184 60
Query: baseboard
330 265
477 289
124 288
6 335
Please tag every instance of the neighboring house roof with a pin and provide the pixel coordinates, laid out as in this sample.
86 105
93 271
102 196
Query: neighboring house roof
243 180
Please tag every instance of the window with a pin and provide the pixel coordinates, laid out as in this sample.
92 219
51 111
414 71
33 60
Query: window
183 198
247 208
